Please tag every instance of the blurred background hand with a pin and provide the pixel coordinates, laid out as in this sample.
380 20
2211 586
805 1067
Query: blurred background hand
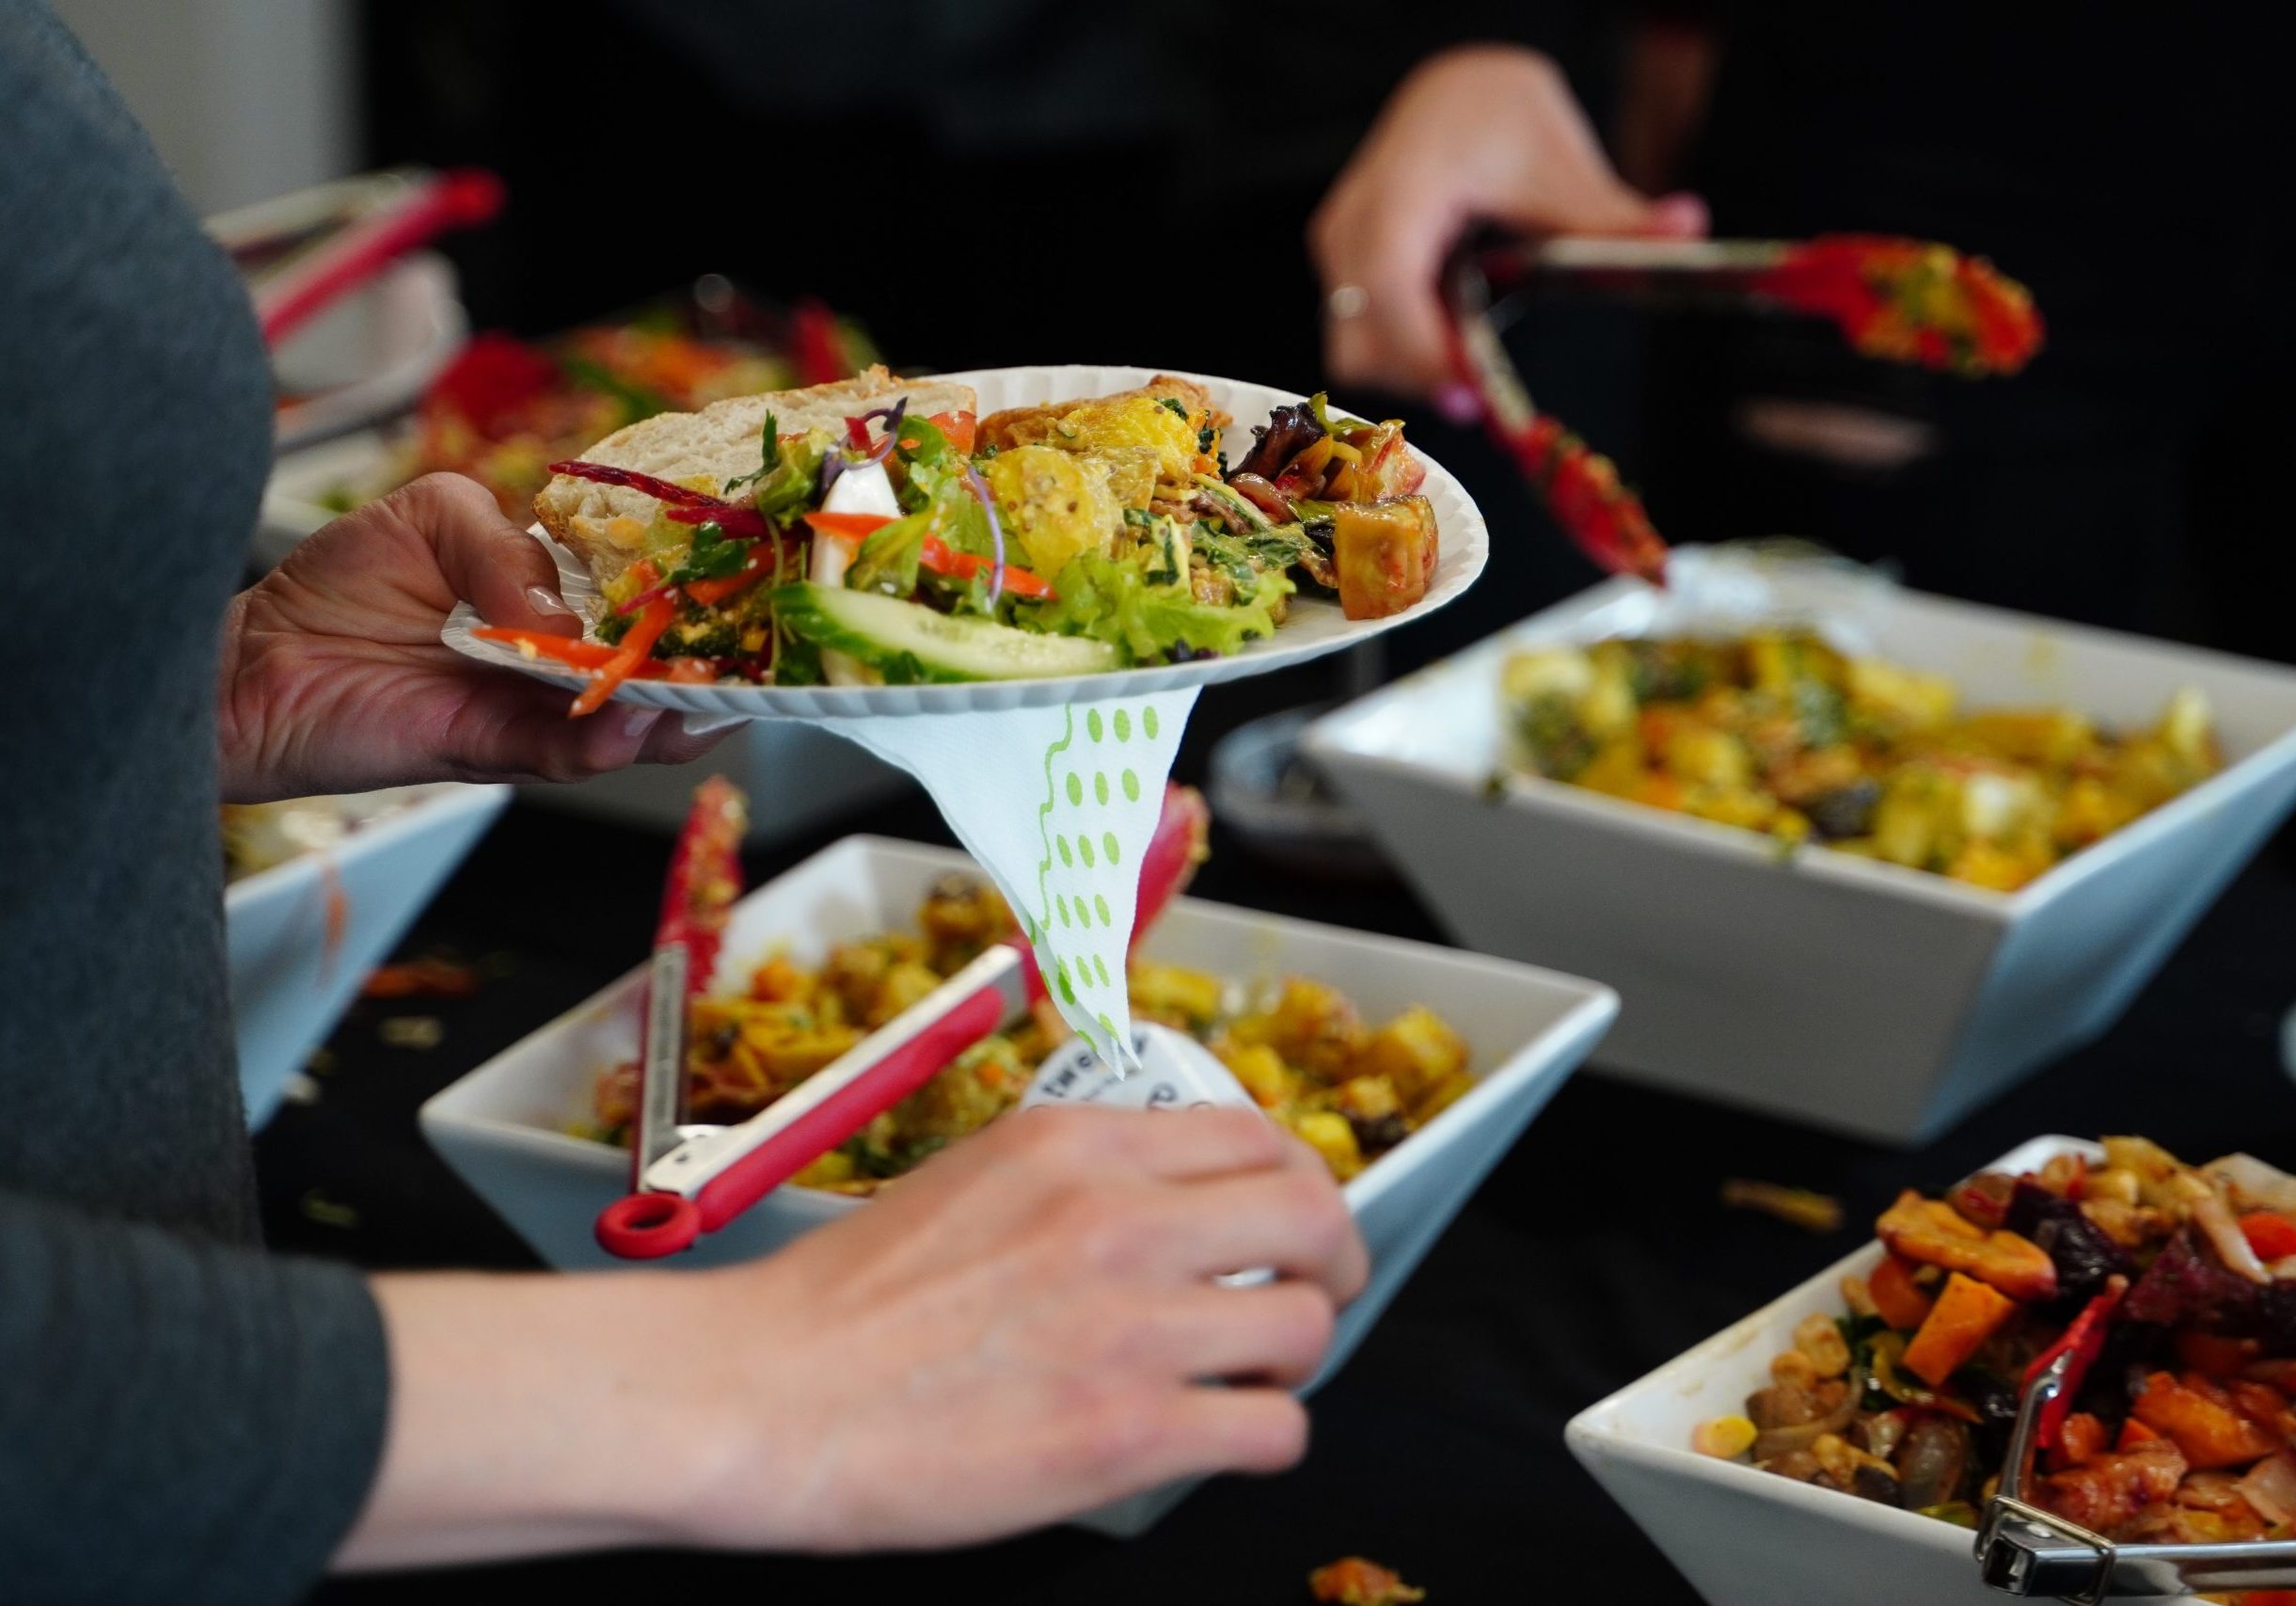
334 678
1486 134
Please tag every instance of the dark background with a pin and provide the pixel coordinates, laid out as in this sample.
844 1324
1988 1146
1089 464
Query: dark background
1008 180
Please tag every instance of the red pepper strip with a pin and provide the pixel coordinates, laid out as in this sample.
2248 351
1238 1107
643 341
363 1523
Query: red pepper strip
856 433
943 559
628 657
850 528
762 561
739 523
2083 1338
629 479
573 651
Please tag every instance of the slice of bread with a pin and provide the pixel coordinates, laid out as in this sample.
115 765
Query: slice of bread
604 525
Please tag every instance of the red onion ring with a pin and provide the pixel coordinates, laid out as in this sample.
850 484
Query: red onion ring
979 488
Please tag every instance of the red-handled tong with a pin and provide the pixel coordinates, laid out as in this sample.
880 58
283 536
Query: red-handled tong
698 898
698 1179
439 204
2078 1346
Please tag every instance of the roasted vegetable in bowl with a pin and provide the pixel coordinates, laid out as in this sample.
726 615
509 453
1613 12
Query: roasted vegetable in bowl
1353 1091
1779 732
2183 1432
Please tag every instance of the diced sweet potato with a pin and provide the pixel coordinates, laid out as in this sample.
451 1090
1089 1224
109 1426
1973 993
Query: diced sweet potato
1897 1298
1966 1314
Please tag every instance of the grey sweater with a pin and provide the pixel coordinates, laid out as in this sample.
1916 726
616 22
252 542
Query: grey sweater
182 1418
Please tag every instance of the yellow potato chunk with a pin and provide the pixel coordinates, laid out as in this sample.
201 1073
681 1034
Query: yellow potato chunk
1171 992
1057 504
1416 1052
1328 1133
1259 1067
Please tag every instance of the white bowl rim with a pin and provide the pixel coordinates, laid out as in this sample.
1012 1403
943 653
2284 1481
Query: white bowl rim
1592 1438
1330 740
438 799
1592 1009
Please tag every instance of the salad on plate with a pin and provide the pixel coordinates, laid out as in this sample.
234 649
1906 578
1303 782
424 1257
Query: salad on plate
880 531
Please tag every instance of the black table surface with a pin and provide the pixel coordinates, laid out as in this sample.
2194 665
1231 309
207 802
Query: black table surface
1596 1251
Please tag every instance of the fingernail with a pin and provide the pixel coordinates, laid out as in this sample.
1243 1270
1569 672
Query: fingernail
542 599
1457 403
1681 213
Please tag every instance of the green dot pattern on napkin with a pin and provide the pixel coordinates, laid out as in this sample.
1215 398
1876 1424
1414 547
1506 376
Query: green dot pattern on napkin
1097 815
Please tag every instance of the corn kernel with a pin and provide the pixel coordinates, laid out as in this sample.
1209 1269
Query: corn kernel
1725 1438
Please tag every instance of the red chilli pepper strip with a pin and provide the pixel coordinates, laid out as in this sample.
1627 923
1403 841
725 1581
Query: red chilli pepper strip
628 657
629 479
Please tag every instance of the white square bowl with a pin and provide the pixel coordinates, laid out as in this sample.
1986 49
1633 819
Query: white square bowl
1821 987
290 981
503 1127
1746 1537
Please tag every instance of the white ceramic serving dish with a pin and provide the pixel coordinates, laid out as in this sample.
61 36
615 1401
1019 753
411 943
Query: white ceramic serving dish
290 981
372 353
503 1127
1746 1537
303 481
1821 987
1313 627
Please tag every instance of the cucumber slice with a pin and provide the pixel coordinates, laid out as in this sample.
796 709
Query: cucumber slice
908 642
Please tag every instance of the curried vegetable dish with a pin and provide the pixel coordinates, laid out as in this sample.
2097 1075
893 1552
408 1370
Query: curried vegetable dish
1780 733
877 531
2183 1431
1353 1091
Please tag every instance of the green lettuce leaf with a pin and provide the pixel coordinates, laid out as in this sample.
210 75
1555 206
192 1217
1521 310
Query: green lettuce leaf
1111 600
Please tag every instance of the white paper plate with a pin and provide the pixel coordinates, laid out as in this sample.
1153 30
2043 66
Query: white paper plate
1315 626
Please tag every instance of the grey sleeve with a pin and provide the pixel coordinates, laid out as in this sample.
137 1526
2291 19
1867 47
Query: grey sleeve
180 1421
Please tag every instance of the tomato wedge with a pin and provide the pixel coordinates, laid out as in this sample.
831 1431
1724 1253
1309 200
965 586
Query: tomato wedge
960 427
628 657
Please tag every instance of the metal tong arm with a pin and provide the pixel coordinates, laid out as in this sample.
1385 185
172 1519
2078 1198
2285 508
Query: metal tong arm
2022 1550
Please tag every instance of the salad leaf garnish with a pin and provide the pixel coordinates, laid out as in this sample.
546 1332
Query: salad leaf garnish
712 556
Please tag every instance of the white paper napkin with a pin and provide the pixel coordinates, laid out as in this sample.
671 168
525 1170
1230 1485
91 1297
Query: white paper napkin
1057 804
